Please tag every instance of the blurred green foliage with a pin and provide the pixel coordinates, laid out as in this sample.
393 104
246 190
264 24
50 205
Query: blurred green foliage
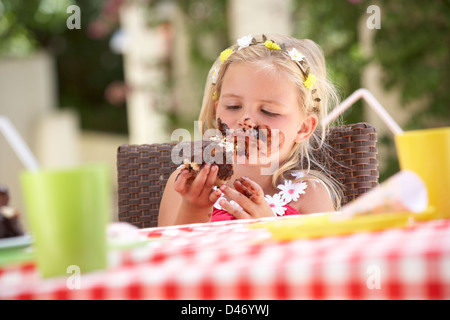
86 68
24 25
334 26
413 48
85 64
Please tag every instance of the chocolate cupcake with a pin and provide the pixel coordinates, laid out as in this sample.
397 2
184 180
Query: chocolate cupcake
217 150
9 217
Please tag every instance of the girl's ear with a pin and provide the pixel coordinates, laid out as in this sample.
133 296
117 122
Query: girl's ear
307 128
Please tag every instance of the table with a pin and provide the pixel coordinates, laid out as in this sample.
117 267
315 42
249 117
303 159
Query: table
230 260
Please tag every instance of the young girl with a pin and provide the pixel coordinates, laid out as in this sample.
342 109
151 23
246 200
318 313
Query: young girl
274 82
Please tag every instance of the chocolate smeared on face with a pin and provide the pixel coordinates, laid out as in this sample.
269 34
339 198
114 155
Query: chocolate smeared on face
223 127
262 134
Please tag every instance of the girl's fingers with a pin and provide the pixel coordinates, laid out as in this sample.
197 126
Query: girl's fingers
239 186
198 189
235 211
254 189
238 197
180 184
211 178
214 195
200 179
248 195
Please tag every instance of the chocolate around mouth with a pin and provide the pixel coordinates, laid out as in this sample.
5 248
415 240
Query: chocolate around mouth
261 133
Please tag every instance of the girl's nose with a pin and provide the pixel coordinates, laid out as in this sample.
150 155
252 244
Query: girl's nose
246 122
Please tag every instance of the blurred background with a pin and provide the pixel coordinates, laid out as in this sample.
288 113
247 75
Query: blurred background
80 77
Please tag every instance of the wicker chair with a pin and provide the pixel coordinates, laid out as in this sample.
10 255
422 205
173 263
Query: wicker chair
143 171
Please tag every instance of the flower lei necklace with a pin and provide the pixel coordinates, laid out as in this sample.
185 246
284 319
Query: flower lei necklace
309 79
290 191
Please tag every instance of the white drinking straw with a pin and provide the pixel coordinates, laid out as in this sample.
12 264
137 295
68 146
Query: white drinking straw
18 144
373 103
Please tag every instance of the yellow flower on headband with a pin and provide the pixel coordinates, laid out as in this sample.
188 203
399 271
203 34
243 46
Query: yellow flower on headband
225 54
310 81
272 45
215 96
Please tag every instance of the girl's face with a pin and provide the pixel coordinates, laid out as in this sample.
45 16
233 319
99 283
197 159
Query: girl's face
265 99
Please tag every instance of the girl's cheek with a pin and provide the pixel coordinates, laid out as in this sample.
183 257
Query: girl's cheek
225 117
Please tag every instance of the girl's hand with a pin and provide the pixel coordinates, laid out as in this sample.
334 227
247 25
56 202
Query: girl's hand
199 194
250 196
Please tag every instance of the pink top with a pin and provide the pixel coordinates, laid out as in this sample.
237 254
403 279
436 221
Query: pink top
222 215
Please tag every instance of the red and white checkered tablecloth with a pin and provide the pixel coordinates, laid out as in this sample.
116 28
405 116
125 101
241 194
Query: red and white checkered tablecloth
228 260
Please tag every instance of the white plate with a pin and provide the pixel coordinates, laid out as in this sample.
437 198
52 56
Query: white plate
20 241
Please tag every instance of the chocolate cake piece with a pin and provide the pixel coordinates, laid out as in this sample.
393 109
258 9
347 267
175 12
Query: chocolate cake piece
10 225
4 196
9 217
217 150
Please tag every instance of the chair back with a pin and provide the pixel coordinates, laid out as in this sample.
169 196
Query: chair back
143 171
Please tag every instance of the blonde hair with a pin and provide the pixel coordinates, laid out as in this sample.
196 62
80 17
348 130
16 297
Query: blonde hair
302 155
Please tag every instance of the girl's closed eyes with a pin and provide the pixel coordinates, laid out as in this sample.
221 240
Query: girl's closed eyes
233 107
266 112
270 113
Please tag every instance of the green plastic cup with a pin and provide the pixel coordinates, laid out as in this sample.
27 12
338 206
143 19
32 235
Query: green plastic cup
67 212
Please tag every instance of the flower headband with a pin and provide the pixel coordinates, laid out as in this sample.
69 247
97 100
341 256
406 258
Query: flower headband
309 79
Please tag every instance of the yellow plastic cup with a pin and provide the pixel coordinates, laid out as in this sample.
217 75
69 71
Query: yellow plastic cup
427 152
67 212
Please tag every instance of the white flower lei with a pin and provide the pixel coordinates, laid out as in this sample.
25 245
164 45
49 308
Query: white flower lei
289 192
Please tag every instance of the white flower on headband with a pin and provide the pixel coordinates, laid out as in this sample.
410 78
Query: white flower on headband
295 55
215 75
245 41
